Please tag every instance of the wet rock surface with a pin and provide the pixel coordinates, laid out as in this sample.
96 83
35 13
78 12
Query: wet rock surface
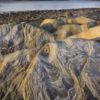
40 63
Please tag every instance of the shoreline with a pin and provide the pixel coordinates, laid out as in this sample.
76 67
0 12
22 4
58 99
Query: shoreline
46 5
38 16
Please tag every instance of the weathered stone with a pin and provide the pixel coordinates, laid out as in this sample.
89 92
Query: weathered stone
35 65
51 25
22 36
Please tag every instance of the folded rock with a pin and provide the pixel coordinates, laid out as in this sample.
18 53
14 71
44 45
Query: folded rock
35 65
61 70
22 36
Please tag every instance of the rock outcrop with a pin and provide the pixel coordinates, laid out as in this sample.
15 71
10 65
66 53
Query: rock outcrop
41 64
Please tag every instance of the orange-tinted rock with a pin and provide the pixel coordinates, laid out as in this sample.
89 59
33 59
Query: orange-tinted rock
91 33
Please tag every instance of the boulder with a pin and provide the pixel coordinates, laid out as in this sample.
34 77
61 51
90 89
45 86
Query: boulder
51 25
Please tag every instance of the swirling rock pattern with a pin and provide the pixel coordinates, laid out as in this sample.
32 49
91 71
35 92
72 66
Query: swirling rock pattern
36 64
